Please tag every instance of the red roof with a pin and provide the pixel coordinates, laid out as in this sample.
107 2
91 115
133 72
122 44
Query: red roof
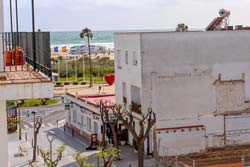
95 100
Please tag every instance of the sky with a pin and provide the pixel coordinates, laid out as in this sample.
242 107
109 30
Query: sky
73 15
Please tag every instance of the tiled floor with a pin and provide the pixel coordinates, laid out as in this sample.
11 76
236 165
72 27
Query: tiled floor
22 74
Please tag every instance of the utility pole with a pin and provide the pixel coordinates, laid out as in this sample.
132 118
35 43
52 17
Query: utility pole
19 117
11 24
17 26
33 35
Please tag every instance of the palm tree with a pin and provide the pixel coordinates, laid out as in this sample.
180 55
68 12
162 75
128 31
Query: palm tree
86 32
182 27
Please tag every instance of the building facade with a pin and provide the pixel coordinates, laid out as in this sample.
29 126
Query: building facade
197 83
83 111
18 82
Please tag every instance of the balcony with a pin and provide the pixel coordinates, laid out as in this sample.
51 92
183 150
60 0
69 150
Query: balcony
23 63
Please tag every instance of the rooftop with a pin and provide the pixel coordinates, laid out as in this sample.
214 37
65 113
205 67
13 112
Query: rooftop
22 74
95 100
94 95
92 91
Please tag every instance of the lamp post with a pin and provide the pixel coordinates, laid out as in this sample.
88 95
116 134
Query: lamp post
19 118
11 24
17 28
34 141
50 137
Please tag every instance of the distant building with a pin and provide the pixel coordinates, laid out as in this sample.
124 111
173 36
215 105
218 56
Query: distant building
198 84
83 111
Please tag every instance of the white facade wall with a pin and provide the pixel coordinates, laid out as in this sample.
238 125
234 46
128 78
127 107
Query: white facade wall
3 116
177 76
84 113
26 91
4 135
1 30
129 74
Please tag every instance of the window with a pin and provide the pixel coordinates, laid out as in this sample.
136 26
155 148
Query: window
82 121
124 92
69 116
126 57
95 127
135 61
119 64
74 116
89 123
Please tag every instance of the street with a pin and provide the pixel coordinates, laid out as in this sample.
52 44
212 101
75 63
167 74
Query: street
63 137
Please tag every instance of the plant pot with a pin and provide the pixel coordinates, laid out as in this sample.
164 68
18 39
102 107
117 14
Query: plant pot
66 83
75 83
83 83
123 143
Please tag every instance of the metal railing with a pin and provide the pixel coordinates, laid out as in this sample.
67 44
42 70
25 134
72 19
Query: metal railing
39 59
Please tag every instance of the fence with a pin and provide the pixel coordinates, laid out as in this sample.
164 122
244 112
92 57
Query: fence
40 58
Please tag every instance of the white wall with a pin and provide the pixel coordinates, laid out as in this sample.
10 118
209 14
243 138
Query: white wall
4 136
86 108
187 64
1 30
129 73
26 91
177 74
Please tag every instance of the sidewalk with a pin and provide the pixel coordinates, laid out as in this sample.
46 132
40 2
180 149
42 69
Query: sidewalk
128 156
20 161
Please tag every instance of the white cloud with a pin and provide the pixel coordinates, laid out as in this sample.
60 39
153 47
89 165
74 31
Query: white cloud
127 14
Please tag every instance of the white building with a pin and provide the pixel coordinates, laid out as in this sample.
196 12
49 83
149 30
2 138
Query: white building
17 84
83 111
191 80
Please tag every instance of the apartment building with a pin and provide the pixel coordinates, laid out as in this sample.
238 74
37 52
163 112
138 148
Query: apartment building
30 79
197 83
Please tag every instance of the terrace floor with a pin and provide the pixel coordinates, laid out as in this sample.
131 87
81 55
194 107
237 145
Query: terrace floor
228 156
21 74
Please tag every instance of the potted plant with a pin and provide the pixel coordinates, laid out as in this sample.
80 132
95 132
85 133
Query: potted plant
123 137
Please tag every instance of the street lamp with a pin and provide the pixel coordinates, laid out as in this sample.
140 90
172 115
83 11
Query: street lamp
19 118
50 137
34 140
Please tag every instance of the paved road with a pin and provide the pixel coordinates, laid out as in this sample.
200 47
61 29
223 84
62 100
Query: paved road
49 114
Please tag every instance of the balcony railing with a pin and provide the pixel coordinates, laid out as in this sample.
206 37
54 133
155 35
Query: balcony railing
22 61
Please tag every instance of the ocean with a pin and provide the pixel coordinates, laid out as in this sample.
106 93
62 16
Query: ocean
69 39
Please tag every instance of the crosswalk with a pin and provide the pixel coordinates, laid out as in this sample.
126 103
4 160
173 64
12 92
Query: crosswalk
27 116
44 125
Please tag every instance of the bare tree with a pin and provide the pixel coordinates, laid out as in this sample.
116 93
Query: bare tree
46 156
108 156
37 125
105 108
126 116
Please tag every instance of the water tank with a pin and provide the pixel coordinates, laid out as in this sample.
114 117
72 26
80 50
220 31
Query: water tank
19 56
8 58
224 13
